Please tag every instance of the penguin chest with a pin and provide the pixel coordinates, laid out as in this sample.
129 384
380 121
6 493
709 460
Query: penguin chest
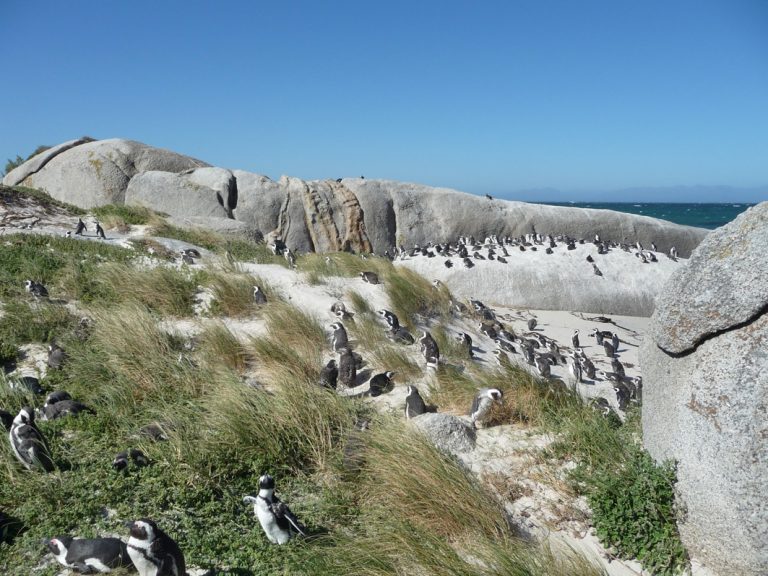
268 521
144 565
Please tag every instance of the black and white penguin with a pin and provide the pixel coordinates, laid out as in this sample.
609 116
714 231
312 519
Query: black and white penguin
482 402
615 342
596 270
276 519
448 264
575 339
100 231
154 431
429 349
64 408
468 263
28 442
414 403
27 383
401 336
588 367
123 459
390 318
80 227
89 556
36 289
339 339
574 367
258 296
381 383
347 372
543 367
6 418
329 375
56 356
370 277
192 252
532 324
622 396
617 366
505 346
598 336
290 257
153 552
609 349
466 342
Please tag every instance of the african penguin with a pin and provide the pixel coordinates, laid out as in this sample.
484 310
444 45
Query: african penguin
609 350
276 519
80 227
504 345
339 338
347 371
414 403
56 356
329 375
153 552
99 555
543 367
429 349
575 339
615 342
532 324
100 231
575 369
258 296
121 461
64 408
7 419
401 336
370 277
617 366
28 443
390 318
381 383
36 289
482 402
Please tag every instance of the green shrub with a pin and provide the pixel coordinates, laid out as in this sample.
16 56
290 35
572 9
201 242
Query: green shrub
633 511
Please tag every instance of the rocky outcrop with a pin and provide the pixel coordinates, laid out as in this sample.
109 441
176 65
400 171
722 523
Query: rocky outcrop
89 174
705 398
351 214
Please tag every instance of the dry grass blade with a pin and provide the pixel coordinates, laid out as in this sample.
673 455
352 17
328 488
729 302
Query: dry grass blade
220 346
411 295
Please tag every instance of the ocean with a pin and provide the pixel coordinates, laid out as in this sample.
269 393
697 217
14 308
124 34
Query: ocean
709 216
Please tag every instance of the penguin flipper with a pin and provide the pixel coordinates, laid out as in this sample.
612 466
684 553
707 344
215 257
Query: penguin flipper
287 518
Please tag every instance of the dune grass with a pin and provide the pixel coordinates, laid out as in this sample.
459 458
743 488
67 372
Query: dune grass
233 294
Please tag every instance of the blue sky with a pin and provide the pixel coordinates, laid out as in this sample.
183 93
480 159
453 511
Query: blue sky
545 99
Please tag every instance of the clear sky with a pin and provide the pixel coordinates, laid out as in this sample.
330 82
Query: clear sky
565 97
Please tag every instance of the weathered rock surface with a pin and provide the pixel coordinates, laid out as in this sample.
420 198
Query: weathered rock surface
448 433
95 173
705 399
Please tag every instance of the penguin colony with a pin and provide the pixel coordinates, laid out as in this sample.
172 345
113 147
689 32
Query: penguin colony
153 553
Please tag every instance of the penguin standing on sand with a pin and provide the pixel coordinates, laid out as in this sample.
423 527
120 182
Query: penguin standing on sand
482 402
329 375
414 403
429 349
153 552
575 339
276 519
28 443
574 367
100 231
609 350
532 324
80 227
347 372
85 556
339 337
615 342
56 356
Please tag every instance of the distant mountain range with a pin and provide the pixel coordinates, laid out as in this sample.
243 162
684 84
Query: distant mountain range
693 193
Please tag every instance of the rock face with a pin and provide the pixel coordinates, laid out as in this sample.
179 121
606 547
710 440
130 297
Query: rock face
705 399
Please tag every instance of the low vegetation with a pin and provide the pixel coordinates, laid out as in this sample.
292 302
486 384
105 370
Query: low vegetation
379 501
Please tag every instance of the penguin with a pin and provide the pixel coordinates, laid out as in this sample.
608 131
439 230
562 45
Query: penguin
347 371
80 227
543 367
68 234
590 259
617 366
36 289
154 431
532 324
390 318
482 402
598 336
381 383
370 277
596 270
153 552
28 443
609 350
575 339
601 405
258 296
574 367
615 342
504 345
501 259
64 408
448 264
329 375
339 337
429 349
622 396
414 403
588 367
56 356
276 519
28 383
100 231
290 257
192 252
121 461
548 251
468 263
89 556
186 258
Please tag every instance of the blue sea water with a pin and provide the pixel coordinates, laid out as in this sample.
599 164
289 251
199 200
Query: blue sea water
709 216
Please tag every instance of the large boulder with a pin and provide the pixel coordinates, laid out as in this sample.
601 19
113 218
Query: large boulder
89 174
202 192
449 433
705 399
